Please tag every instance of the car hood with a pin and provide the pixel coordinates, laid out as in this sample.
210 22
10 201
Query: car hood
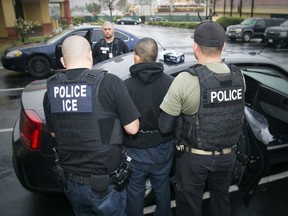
238 26
277 28
28 46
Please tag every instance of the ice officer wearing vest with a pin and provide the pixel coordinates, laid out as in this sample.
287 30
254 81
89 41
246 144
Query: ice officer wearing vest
204 106
152 152
86 110
109 46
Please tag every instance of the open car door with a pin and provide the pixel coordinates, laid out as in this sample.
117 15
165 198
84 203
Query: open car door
252 163
265 128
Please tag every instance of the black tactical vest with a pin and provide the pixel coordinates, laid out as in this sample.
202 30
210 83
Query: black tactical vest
218 122
80 122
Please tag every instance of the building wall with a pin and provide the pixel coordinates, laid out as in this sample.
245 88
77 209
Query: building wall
262 8
34 10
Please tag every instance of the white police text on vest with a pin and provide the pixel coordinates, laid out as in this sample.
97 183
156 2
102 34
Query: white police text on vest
226 95
71 98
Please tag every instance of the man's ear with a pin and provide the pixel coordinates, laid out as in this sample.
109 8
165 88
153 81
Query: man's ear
62 62
137 59
90 56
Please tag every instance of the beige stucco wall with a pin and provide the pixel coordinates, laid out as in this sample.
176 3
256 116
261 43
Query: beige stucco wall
7 17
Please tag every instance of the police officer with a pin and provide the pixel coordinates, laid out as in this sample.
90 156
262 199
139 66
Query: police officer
151 151
85 110
208 100
109 46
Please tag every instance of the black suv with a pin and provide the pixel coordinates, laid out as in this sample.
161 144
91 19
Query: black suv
252 28
277 35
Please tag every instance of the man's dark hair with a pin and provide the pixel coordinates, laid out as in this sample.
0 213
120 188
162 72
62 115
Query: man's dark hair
147 49
210 51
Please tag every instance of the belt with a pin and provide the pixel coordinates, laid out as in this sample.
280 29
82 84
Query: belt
202 152
81 179
78 179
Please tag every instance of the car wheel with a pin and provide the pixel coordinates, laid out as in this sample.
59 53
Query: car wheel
38 66
122 23
246 37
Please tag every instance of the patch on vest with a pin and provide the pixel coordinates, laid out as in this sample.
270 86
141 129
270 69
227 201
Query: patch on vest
70 98
224 95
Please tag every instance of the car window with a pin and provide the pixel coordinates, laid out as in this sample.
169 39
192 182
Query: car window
285 24
97 35
268 77
261 23
121 35
249 22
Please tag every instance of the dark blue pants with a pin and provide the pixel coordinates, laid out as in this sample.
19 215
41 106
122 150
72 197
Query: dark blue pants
159 174
86 202
192 172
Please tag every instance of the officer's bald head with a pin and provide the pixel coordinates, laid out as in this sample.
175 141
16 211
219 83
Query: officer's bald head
76 53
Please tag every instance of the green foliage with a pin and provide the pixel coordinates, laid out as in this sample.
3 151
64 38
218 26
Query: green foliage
78 20
24 27
188 25
93 8
226 21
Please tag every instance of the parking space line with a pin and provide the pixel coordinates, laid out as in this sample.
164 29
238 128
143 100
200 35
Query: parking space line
233 188
6 130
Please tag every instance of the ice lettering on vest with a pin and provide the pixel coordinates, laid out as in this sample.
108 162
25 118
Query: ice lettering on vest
71 98
225 95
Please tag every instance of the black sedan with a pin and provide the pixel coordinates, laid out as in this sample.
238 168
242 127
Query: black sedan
128 21
39 58
264 140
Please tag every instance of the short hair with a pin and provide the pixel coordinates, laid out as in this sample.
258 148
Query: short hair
211 51
146 49
74 47
108 23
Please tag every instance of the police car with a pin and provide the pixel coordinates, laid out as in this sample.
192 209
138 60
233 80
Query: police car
39 58
264 140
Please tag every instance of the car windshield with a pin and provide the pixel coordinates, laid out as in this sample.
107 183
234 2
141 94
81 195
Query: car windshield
285 24
58 36
249 22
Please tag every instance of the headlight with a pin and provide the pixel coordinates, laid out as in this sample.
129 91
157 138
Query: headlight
283 34
238 30
13 54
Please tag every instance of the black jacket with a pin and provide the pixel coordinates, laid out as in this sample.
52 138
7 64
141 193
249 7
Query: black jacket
147 86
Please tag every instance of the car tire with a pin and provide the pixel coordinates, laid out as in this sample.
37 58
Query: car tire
122 23
38 66
246 37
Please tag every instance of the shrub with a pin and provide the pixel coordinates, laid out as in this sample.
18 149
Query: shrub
226 21
24 27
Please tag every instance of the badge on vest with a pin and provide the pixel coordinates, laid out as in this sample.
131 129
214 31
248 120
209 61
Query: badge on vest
70 98
225 95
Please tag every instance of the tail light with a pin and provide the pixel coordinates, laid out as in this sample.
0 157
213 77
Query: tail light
30 129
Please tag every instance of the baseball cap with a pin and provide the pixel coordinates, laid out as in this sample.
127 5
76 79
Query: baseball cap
210 34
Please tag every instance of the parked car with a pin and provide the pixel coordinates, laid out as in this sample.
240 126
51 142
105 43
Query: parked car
252 28
277 35
155 19
128 21
39 58
266 101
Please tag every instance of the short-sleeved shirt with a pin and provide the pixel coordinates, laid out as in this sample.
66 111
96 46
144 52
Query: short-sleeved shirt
183 95
114 97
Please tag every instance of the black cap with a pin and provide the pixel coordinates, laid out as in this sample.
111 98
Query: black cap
210 34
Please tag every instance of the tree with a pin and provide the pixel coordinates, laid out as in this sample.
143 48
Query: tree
93 8
111 5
